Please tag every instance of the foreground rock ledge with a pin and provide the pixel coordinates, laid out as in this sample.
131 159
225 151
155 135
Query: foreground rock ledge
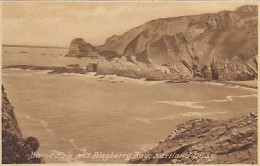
202 141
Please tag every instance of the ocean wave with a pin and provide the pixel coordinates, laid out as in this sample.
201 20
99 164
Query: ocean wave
24 72
189 114
183 104
147 121
241 87
232 86
247 88
43 123
230 98
28 116
192 114
197 105
89 75
170 117
71 74
15 69
75 146
115 78
148 147
41 71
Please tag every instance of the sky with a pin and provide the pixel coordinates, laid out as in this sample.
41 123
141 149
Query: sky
57 23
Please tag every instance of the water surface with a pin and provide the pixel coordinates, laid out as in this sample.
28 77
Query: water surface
86 113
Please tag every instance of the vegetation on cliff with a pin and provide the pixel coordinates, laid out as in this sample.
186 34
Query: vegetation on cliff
15 148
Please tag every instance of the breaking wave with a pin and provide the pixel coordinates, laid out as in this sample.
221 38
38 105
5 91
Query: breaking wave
74 145
183 104
147 121
233 86
115 78
196 105
43 123
189 114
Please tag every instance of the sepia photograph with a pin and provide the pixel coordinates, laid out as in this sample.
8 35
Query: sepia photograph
129 82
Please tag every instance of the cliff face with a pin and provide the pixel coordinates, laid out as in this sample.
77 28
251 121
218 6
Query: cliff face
15 149
206 141
220 46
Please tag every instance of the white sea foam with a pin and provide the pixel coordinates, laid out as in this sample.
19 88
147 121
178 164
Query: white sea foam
241 87
24 72
148 147
197 105
170 117
15 69
227 85
250 89
230 98
74 145
72 74
231 86
183 104
115 78
43 123
142 120
189 114
192 114
41 71
28 116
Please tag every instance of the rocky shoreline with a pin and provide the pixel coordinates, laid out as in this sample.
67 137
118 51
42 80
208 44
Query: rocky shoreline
15 148
72 68
75 68
208 141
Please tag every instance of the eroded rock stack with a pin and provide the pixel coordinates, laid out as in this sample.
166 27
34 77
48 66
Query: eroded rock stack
204 141
79 48
15 149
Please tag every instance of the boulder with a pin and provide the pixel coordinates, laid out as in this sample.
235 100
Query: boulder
92 67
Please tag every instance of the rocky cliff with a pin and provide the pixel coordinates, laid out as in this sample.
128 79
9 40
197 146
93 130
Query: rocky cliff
207 141
79 48
218 46
15 149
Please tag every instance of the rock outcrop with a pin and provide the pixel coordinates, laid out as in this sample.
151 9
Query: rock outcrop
207 141
71 68
15 149
79 48
92 67
215 46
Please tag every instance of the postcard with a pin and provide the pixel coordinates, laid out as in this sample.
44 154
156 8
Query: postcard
129 82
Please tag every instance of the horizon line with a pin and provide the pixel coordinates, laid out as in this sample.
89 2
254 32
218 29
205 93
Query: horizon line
33 46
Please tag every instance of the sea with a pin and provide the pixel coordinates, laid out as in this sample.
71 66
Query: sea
105 119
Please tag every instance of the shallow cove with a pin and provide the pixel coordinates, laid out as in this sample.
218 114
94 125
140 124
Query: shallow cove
84 113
